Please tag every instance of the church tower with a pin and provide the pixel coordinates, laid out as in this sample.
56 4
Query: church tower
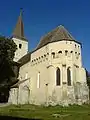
19 38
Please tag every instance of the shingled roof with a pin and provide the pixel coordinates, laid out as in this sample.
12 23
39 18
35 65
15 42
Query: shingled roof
58 34
26 58
16 85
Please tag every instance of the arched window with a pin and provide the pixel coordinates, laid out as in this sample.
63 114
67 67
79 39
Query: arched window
58 81
60 52
53 54
69 76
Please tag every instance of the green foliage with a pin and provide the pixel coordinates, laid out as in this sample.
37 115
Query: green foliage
7 49
88 78
7 74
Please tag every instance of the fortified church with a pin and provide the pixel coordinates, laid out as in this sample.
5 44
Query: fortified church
51 74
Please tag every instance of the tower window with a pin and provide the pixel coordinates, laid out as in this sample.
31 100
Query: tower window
20 46
75 45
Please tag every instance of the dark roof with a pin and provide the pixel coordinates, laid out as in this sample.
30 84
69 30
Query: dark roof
26 58
19 29
58 34
18 83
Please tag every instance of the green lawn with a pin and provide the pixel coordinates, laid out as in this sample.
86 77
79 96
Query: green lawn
74 112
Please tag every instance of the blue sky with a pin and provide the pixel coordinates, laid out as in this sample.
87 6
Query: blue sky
41 16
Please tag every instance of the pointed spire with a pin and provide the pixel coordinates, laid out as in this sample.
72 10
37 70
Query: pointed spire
19 29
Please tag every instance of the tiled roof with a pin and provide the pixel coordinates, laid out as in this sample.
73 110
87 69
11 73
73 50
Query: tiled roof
26 58
19 29
59 33
18 83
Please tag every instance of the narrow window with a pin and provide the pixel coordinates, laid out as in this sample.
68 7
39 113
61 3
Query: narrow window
20 46
66 52
38 80
75 45
53 54
69 76
59 53
58 77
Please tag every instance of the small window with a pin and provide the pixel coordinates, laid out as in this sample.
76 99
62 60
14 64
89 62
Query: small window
71 51
60 52
53 54
20 46
44 55
75 52
66 52
75 45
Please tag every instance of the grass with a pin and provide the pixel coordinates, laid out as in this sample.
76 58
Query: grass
74 112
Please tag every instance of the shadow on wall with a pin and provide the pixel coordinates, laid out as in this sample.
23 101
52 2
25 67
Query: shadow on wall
15 118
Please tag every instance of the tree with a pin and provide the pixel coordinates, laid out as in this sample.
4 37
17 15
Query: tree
88 81
8 68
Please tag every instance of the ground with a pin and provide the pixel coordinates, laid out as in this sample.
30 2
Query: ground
73 112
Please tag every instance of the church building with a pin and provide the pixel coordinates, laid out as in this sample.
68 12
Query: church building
51 74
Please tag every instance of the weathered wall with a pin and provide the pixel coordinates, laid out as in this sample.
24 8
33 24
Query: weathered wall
41 71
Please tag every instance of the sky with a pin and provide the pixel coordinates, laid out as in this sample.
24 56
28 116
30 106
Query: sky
41 16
